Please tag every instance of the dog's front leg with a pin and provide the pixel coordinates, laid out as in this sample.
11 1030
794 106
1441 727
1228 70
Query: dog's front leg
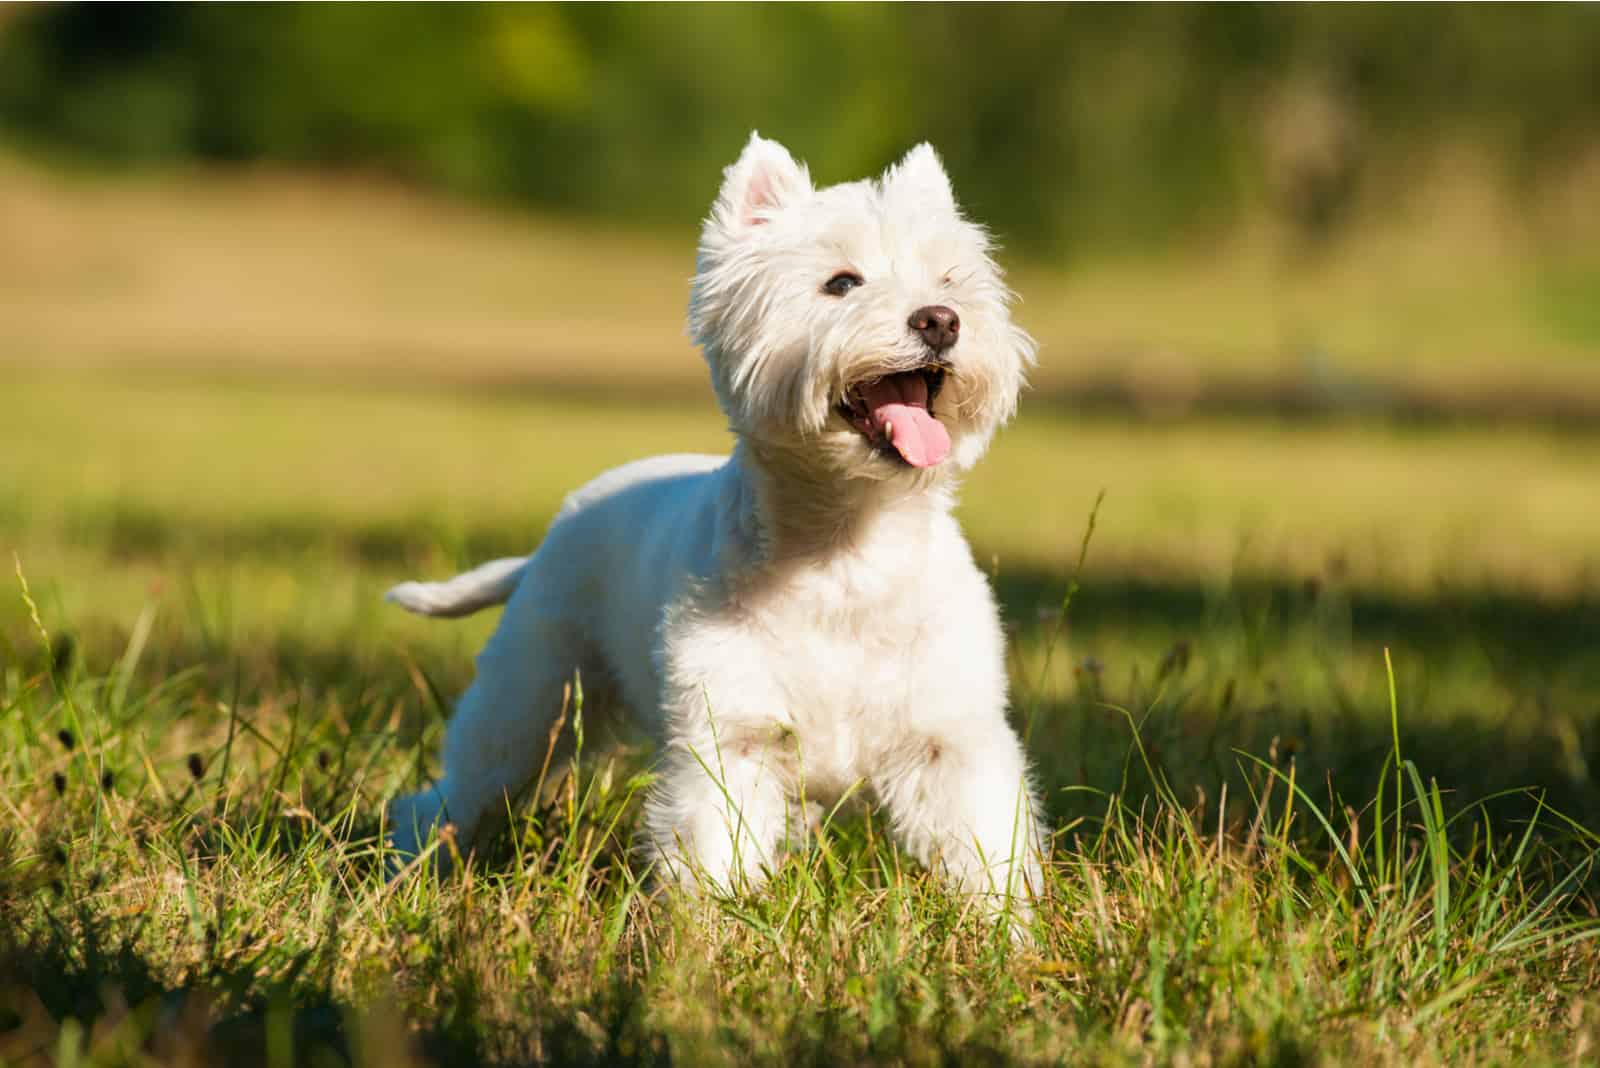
960 801
721 809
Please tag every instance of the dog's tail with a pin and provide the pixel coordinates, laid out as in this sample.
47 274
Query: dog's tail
490 584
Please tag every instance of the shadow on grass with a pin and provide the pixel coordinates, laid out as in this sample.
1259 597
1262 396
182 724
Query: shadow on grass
1497 691
1525 635
1306 393
79 993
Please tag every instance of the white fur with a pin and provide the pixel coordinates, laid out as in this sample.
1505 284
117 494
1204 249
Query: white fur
485 585
804 616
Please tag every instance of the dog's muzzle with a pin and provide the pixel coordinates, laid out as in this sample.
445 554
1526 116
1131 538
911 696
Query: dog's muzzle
895 413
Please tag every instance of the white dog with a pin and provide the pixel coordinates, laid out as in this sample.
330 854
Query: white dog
804 616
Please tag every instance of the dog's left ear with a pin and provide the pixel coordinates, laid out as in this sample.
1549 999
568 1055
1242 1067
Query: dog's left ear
762 180
921 172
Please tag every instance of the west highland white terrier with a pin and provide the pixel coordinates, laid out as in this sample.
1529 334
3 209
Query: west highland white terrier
802 617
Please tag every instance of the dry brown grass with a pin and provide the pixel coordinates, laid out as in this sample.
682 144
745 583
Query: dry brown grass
1454 299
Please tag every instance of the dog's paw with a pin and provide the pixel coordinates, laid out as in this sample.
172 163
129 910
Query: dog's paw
414 822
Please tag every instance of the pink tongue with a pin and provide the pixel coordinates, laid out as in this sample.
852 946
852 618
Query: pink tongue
899 407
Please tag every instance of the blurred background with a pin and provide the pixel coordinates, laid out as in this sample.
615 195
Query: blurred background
296 302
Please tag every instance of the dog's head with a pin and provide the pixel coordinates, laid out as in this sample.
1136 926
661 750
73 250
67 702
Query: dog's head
863 325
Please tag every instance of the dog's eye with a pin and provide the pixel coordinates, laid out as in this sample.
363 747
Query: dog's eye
842 283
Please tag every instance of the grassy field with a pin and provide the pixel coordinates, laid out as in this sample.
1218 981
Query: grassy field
204 702
1450 297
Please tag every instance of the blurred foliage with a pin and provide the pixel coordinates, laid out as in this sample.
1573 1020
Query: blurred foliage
1060 125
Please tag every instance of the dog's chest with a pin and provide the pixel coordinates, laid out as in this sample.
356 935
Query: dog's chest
829 665
847 658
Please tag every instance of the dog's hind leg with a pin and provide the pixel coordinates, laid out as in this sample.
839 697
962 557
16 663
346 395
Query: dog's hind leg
501 731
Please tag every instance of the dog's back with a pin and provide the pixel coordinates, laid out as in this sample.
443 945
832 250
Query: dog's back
493 583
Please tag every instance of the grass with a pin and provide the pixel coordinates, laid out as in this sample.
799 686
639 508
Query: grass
192 874
115 462
1316 732
194 761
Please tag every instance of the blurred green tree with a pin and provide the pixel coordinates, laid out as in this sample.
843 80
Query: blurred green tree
1060 124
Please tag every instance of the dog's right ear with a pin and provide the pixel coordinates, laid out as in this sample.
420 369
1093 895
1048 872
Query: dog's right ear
763 180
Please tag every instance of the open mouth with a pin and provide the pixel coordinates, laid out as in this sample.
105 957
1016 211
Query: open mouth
895 414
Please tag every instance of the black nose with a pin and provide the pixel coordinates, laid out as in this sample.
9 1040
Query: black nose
938 325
